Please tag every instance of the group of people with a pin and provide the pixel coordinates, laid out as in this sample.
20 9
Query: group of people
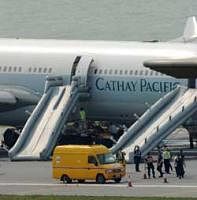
163 158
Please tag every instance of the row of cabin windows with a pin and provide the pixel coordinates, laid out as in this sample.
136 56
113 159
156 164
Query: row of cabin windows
31 69
126 72
10 69
40 70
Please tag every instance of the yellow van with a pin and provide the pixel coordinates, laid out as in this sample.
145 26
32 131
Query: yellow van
86 162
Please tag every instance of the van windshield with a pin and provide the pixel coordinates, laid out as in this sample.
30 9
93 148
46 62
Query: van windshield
106 158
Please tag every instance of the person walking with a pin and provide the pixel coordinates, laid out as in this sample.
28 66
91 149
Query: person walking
149 161
137 158
160 163
175 164
166 158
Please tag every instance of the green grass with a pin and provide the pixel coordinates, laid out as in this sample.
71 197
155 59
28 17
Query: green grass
37 197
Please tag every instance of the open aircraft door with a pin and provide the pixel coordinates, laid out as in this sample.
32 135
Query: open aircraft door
80 69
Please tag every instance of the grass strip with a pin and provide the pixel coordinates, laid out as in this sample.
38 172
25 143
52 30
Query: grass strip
50 197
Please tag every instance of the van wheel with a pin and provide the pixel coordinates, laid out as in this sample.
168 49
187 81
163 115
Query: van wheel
66 179
100 179
117 180
81 180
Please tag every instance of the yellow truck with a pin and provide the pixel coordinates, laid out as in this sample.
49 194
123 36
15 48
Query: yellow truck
86 162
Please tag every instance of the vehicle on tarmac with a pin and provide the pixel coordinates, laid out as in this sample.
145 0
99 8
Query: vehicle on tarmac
86 162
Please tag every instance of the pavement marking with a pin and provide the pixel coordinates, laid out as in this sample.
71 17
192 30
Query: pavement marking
98 185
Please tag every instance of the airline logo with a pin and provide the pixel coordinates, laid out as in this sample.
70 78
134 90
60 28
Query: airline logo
142 85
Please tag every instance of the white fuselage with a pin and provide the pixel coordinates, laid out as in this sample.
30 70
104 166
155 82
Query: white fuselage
120 84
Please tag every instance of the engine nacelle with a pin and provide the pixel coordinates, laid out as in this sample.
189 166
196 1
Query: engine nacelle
10 137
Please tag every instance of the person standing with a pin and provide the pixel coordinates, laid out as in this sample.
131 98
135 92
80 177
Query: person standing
178 163
149 161
83 118
166 158
137 158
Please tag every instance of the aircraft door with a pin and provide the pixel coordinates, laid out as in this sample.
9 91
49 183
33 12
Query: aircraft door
80 69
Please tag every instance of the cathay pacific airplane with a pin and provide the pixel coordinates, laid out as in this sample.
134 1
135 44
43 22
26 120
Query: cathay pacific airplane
120 85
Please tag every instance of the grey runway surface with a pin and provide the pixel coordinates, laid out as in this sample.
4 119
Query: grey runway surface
36 178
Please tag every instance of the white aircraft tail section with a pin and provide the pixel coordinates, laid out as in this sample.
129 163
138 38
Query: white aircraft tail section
190 31
158 122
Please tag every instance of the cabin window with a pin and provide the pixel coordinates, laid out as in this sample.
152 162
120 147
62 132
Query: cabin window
40 70
35 69
29 69
5 69
10 69
0 68
50 70
20 69
141 72
136 72
45 70
146 72
151 73
110 71
131 72
120 72
100 71
126 72
15 68
116 71
105 71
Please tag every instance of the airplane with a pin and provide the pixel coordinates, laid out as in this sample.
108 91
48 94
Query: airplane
121 87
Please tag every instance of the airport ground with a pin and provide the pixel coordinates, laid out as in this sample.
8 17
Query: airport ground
35 178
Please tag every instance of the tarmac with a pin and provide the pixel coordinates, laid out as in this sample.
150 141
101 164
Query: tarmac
35 178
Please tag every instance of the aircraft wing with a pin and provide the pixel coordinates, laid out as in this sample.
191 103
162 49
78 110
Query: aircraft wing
179 68
13 97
